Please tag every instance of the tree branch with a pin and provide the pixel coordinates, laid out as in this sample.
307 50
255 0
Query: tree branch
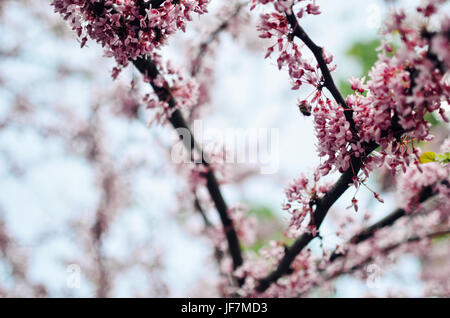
318 54
322 206
426 193
388 249
149 69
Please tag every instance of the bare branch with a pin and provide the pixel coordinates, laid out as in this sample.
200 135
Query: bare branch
148 68
426 193
389 249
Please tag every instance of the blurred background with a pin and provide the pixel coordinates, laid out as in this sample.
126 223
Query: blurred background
91 194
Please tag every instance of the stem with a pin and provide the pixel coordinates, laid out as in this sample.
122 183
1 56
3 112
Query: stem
324 204
328 79
149 69
322 207
388 249
425 194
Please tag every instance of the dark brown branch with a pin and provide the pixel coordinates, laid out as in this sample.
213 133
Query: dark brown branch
146 5
389 249
322 206
426 193
147 68
318 52
157 3
386 250
368 259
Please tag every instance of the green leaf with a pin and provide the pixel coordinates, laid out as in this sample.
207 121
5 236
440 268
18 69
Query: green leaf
262 212
428 156
445 158
431 118
365 52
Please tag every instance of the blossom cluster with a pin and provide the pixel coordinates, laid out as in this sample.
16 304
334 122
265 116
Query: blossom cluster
390 107
334 136
433 177
183 89
275 26
388 110
257 266
245 226
300 194
128 29
402 88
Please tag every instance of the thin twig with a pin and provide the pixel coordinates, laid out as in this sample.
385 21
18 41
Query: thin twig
389 249
425 194
213 36
385 250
